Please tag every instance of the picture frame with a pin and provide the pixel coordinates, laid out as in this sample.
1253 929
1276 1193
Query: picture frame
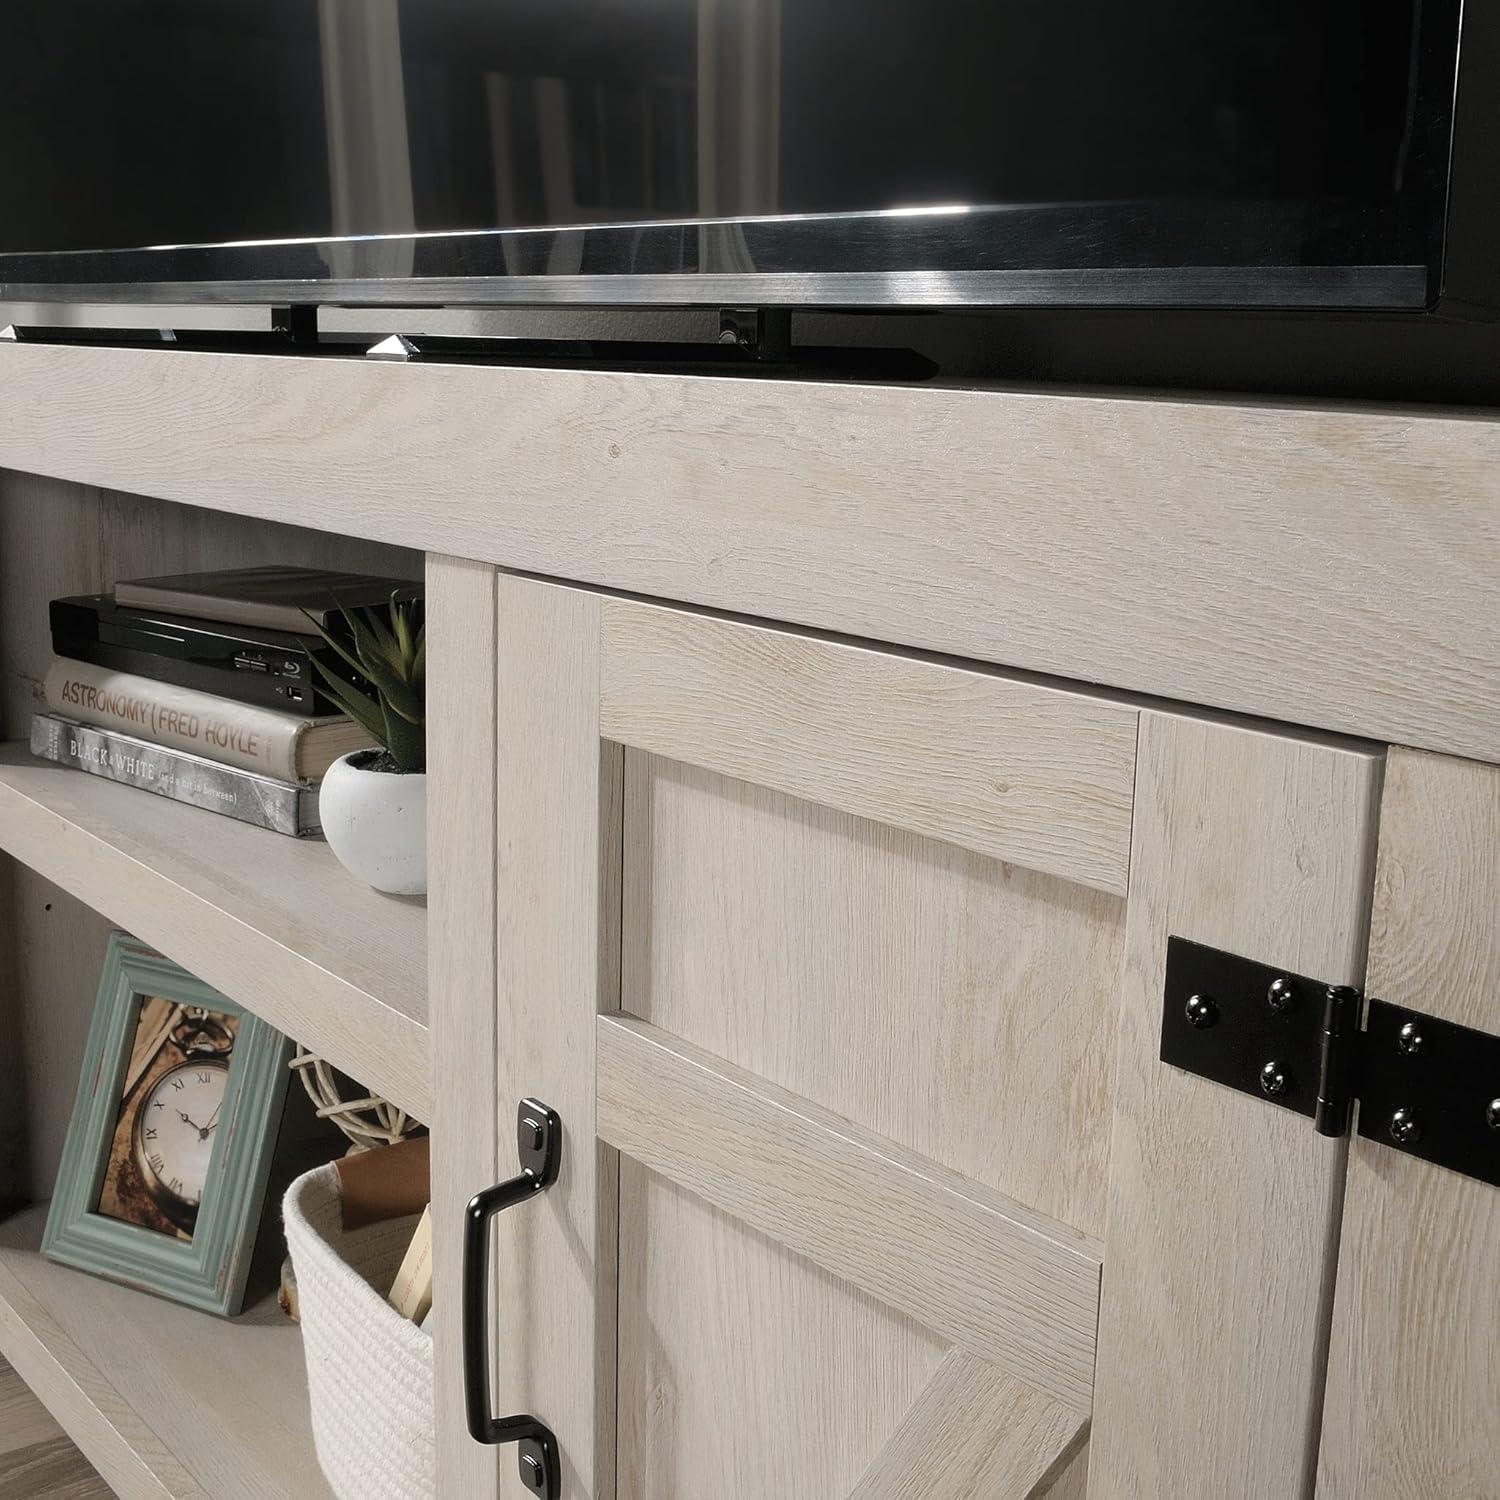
146 1194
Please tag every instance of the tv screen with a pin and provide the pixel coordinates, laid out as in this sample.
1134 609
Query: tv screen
825 152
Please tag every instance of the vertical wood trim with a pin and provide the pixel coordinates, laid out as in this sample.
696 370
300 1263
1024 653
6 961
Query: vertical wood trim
15 1179
461 969
1219 1250
973 1434
556 802
1412 1372
607 1162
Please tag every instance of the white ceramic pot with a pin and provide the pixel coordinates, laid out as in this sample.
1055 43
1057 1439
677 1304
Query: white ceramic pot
376 822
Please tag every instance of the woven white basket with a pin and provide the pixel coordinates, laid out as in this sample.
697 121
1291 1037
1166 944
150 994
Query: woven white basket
369 1370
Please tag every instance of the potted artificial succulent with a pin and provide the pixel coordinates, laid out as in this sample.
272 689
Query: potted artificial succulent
373 803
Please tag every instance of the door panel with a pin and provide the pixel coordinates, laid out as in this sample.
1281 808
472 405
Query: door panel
975 1431
959 1006
727 1340
818 951
864 1062
1414 1365
1016 1289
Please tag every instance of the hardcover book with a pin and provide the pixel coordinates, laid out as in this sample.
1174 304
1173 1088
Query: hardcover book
281 806
281 746
272 598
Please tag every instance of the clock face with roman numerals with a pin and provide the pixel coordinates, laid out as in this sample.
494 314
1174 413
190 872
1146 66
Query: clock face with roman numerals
176 1124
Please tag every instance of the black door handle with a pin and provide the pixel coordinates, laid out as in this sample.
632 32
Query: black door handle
539 1144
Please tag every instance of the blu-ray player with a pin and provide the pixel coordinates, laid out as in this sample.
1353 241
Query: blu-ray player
271 668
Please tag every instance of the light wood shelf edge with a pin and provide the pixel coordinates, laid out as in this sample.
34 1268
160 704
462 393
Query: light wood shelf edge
272 922
116 1409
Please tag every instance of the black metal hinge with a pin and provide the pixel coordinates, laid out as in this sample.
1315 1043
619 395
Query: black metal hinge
1425 1086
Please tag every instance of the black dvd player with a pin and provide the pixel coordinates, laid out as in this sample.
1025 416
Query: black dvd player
270 668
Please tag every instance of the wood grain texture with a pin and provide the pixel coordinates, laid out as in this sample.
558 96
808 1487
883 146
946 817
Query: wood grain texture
53 1470
746 1370
161 1400
1071 1479
24 1421
1414 1361
960 1007
461 858
54 946
556 808
1031 775
275 923
1218 1259
37 1458
15 1174
1006 1283
1170 546
974 1434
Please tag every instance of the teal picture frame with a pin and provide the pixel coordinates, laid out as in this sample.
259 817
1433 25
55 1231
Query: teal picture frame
208 1272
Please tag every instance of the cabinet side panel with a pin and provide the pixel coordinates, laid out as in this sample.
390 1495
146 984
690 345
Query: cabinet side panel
1414 1364
1222 1209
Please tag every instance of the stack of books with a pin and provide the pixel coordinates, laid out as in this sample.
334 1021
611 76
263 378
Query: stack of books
201 687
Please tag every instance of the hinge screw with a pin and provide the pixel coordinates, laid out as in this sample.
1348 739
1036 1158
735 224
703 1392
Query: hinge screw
1405 1130
1200 1011
1282 995
1274 1079
1492 1114
1409 1039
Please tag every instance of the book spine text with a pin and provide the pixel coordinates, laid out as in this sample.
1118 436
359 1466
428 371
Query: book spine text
237 734
279 806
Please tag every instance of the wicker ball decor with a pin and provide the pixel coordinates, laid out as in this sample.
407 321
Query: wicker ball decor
367 1122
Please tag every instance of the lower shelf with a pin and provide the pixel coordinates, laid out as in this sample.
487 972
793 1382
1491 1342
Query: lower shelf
162 1400
275 923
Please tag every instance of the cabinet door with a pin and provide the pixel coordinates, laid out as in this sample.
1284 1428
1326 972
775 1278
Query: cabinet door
843 971
1413 1409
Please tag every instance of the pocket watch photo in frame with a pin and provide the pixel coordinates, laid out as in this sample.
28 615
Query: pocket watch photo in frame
163 1177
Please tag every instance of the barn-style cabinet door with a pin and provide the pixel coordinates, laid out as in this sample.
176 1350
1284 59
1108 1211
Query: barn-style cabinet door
1413 1408
842 971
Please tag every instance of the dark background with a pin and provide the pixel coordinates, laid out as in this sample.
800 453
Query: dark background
135 122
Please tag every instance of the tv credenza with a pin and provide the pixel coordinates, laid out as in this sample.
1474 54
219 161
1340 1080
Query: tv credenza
821 773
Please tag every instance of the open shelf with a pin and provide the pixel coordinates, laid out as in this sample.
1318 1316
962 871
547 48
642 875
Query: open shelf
190 1406
275 923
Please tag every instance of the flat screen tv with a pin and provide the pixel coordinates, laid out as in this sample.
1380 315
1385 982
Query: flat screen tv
1328 154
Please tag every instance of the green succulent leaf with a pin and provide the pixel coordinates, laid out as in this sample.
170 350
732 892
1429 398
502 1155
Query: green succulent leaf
407 743
401 628
390 655
375 645
336 643
360 707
